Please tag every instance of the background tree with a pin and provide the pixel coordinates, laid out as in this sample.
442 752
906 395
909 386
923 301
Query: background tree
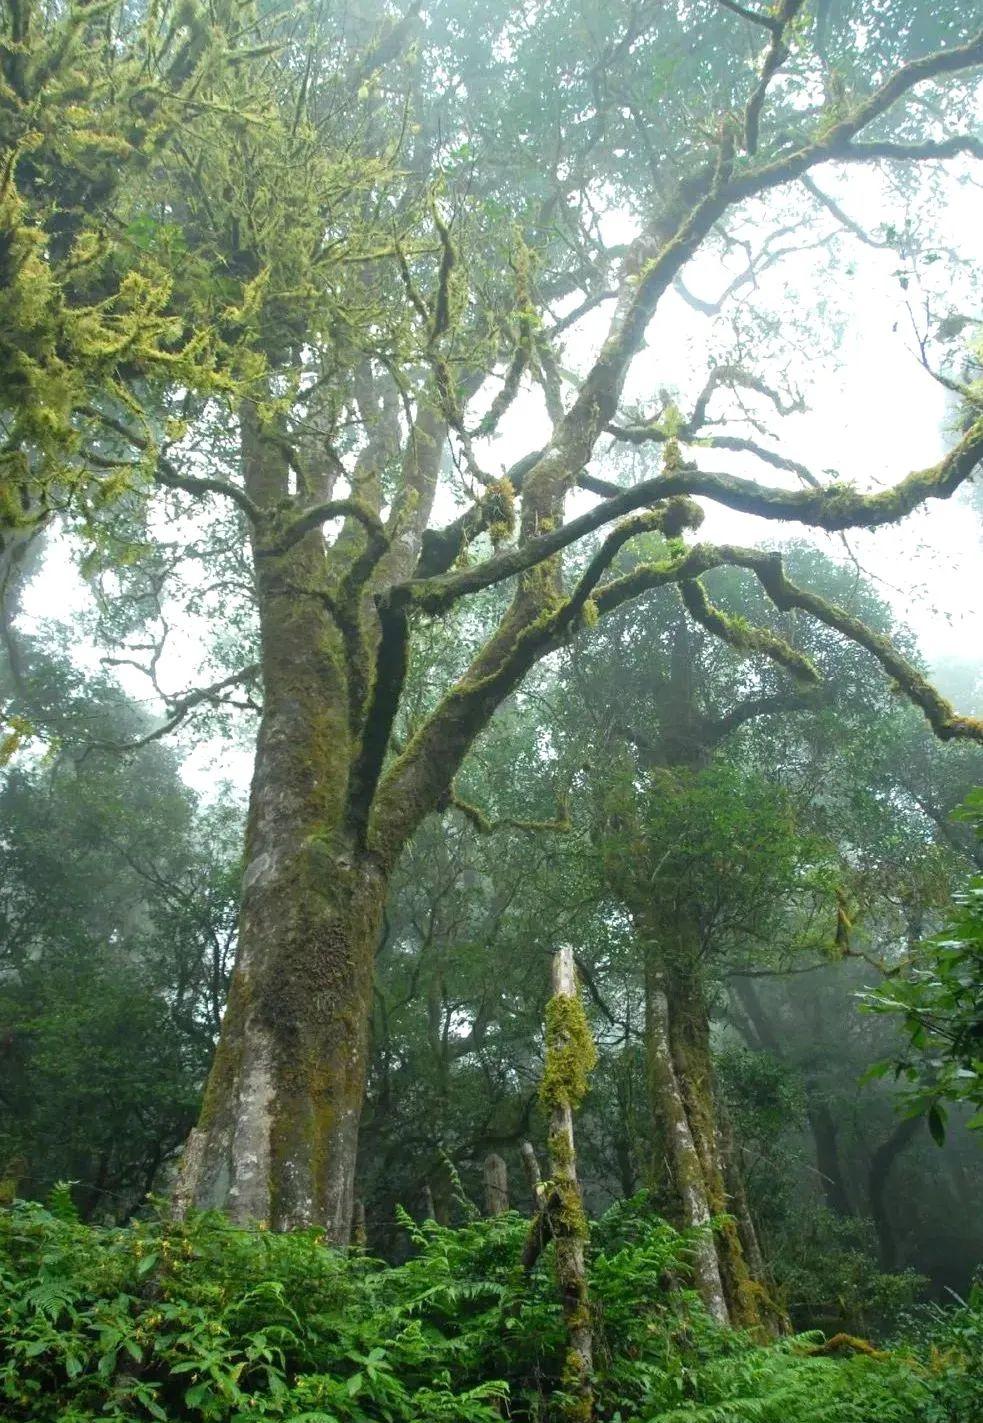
117 932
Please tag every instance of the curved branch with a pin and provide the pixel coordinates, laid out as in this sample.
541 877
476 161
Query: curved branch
768 568
168 476
715 731
832 507
741 635
165 472
182 707
313 518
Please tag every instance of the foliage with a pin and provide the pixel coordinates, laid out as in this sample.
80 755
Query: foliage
203 1321
952 1341
938 993
117 922
827 1274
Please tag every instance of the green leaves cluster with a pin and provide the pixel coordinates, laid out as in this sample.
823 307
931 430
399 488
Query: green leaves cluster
87 104
938 994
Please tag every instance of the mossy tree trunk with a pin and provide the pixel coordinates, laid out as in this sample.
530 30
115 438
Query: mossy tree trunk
278 1131
678 1156
570 1055
332 805
689 1035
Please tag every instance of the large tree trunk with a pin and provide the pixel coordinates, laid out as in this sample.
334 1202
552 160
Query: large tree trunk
277 1137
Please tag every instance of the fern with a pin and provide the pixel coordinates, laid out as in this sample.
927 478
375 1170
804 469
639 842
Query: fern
236 1326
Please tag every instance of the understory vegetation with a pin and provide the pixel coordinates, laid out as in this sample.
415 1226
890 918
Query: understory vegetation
206 1321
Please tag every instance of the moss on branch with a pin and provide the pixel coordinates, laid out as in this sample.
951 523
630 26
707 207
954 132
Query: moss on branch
570 1054
743 636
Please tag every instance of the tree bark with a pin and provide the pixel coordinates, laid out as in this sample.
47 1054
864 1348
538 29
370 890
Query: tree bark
496 1176
277 1136
689 1034
562 1087
672 1125
534 1179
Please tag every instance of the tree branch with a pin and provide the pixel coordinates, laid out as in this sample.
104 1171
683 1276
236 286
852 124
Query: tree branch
313 518
715 731
832 507
741 635
769 570
775 57
182 707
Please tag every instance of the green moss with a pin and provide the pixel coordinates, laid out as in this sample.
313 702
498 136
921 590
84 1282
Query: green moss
567 1211
742 635
570 1053
498 507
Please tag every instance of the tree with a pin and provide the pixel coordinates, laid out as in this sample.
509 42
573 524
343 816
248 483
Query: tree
375 191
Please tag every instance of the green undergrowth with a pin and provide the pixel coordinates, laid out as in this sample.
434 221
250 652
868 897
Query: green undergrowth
203 1321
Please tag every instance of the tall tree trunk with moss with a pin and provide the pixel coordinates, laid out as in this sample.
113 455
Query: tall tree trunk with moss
673 1129
278 1129
689 1034
570 1056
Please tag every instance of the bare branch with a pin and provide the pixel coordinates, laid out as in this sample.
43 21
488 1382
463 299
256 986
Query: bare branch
769 22
181 707
167 475
836 211
777 53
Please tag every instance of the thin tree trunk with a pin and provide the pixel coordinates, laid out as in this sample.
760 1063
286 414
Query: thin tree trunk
534 1179
568 1061
824 1136
496 1178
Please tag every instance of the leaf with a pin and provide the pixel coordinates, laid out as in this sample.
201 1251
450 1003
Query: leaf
936 1123
147 1264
